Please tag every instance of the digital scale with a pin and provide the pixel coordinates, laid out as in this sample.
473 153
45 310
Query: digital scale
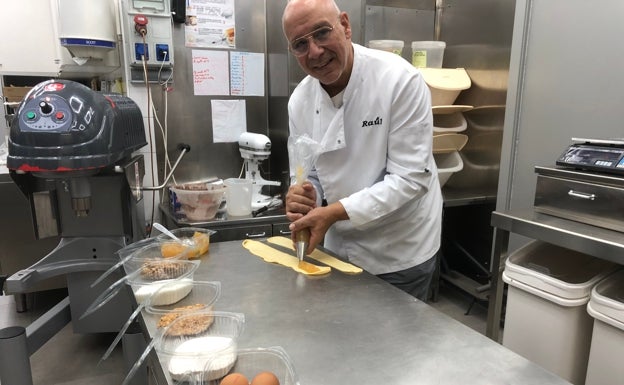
602 155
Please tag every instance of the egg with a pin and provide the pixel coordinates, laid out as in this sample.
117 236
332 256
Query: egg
265 378
234 379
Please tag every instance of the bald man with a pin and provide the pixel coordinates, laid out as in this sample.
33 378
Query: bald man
373 195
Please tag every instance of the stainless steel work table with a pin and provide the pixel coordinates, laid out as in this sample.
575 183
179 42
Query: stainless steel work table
588 239
356 329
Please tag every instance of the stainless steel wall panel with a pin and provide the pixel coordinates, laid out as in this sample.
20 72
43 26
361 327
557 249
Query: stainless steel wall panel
189 116
478 37
394 23
556 93
279 69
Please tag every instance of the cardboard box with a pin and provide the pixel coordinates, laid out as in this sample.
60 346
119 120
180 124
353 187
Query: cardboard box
15 94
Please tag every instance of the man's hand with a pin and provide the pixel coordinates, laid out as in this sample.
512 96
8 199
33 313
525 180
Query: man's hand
318 221
300 200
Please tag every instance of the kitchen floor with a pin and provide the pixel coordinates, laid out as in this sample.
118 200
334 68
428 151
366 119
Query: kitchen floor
72 359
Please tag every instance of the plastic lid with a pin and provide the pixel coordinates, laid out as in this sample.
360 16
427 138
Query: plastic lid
428 44
607 297
380 44
446 78
556 270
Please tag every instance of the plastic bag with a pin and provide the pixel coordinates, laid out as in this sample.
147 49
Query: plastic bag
302 153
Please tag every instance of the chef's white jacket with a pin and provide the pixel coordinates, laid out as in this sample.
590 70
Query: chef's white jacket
376 160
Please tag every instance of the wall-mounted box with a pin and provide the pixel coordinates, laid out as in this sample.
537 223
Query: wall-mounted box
52 41
148 39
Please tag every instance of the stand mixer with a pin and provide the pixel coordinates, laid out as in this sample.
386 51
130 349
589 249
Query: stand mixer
255 148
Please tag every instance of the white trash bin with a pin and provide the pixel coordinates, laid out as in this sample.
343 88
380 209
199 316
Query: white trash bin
546 319
606 306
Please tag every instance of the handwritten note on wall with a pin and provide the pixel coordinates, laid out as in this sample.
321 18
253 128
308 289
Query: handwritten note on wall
247 73
211 74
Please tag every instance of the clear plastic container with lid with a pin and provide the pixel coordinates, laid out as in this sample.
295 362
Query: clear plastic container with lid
394 46
428 54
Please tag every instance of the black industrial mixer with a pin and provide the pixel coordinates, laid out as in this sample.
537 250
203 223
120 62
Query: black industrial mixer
70 153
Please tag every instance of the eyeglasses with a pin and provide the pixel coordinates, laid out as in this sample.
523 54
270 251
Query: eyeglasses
320 36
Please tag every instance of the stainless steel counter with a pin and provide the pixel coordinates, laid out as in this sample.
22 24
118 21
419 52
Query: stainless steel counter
588 239
343 329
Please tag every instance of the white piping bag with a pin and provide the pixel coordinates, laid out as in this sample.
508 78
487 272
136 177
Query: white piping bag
302 153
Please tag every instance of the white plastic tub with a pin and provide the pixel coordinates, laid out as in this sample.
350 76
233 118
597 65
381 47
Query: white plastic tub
546 320
453 122
428 54
606 306
445 84
449 142
448 164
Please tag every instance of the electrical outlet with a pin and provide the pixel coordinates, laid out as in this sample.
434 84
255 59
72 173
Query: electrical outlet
148 37
141 51
162 52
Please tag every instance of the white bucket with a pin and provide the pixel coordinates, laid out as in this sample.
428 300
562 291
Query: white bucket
546 319
238 196
606 306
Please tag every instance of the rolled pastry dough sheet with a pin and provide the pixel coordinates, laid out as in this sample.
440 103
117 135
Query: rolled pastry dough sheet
320 256
272 255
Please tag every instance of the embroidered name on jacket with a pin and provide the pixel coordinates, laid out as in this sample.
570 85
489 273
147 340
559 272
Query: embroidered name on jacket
368 123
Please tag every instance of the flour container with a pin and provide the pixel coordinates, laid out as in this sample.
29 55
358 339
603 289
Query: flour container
394 46
238 196
606 306
428 54
546 319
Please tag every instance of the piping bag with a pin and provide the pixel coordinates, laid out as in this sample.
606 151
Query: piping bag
302 153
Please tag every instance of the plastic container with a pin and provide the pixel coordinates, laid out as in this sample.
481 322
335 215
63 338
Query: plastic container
202 296
196 239
149 276
250 362
454 122
546 319
428 54
238 196
444 143
606 306
448 164
394 46
199 201
201 346
145 276
445 84
154 251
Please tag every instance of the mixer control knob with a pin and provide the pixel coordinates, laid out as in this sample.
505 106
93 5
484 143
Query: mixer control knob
46 108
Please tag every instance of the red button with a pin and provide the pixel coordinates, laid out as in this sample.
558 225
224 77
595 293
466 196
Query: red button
59 115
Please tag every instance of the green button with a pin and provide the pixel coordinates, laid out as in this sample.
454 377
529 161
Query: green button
30 115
